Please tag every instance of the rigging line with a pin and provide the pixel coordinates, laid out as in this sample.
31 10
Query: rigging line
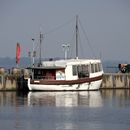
81 47
72 45
36 47
58 27
87 38
51 31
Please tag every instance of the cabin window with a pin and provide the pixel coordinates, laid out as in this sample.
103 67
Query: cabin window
83 71
92 68
38 73
49 74
96 68
74 69
79 68
60 75
100 66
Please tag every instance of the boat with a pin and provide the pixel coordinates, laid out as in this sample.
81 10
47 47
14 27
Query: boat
66 74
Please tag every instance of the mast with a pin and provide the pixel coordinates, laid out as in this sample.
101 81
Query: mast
41 38
76 36
33 55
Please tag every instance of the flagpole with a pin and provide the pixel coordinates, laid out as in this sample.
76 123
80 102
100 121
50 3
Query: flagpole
16 65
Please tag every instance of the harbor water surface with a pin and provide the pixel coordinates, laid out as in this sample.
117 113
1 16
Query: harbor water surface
94 110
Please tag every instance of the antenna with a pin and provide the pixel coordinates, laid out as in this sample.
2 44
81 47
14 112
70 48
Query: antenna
66 49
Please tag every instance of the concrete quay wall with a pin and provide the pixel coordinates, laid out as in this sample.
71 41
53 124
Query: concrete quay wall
110 81
8 82
115 81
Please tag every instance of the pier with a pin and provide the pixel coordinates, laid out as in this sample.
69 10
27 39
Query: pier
13 80
116 81
110 81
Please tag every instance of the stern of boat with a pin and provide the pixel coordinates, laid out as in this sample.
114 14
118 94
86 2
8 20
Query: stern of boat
28 81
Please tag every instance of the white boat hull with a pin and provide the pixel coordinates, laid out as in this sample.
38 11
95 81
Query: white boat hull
95 85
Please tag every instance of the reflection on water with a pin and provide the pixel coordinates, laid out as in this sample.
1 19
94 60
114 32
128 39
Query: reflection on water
71 99
117 98
94 110
101 98
13 98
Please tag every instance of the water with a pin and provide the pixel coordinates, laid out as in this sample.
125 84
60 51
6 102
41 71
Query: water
97 110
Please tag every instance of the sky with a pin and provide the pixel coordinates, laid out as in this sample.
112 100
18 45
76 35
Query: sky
105 27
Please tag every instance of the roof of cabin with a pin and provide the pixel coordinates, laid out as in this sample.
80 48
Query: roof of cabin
63 63
47 67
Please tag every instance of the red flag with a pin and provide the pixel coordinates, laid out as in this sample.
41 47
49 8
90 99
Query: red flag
17 53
